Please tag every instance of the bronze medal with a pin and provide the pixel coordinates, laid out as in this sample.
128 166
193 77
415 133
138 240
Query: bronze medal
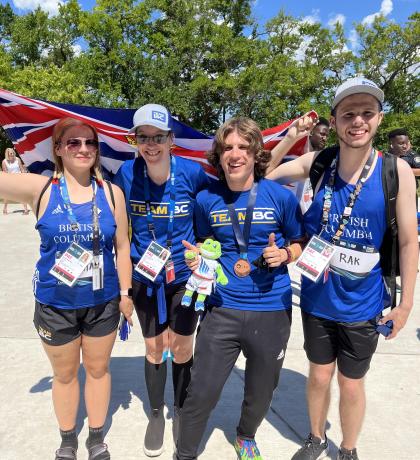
242 268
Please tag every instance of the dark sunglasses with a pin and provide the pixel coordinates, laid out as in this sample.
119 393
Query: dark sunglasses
76 144
158 139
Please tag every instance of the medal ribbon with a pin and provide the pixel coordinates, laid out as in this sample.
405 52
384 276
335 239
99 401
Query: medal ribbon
158 285
243 238
329 190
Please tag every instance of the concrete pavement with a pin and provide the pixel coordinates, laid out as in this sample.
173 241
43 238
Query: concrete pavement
28 427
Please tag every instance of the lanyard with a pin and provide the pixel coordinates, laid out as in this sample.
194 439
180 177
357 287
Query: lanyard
243 238
72 218
149 215
329 190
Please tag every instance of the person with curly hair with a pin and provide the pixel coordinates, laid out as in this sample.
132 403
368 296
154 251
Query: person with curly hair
259 225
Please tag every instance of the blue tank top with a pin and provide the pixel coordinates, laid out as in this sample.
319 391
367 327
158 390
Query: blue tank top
353 295
56 236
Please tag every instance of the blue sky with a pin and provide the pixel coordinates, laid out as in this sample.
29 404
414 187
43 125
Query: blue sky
324 11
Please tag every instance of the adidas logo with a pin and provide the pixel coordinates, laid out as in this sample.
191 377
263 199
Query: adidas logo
281 355
58 210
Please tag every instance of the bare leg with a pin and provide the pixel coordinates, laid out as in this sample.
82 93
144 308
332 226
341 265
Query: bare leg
4 206
96 355
318 392
65 361
352 409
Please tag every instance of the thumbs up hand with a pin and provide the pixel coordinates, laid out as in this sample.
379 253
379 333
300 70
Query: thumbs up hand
273 255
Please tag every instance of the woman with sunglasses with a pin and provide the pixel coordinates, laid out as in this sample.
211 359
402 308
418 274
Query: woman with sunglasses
12 165
160 191
81 220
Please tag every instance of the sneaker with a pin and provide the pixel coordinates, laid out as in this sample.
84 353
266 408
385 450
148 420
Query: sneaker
246 449
175 425
153 441
312 449
344 454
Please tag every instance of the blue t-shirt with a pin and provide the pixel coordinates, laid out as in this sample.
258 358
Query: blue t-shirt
276 210
56 236
189 180
342 298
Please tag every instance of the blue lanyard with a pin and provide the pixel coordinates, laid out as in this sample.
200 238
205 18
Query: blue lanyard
149 215
72 218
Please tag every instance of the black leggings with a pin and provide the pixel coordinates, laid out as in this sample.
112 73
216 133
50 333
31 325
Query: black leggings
224 333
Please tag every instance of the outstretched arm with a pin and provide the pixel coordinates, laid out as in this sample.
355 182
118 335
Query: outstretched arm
300 128
294 170
23 188
408 245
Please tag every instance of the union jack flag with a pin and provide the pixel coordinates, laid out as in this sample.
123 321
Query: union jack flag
29 123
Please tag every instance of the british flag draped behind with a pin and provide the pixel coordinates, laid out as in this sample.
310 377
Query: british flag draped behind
29 123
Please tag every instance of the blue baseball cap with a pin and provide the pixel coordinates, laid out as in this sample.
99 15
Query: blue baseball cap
152 115
357 85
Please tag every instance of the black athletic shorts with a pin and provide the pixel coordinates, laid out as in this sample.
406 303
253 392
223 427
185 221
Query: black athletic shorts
182 320
351 344
57 326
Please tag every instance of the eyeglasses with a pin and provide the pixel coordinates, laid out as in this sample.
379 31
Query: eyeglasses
158 139
76 144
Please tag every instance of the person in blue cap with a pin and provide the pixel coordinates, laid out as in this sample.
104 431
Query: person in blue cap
340 311
160 191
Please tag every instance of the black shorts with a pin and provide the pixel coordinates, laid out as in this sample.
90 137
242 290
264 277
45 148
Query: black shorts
57 326
351 344
182 320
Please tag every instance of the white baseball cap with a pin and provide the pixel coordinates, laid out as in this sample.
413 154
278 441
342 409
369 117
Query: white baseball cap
152 115
355 86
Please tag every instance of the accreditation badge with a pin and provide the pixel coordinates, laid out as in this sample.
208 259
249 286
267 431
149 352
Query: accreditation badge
315 258
152 261
71 264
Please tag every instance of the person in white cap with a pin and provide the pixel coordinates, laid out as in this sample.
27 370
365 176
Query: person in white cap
160 191
341 309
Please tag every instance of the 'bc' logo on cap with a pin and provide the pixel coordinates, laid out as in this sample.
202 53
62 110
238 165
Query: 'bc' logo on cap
160 116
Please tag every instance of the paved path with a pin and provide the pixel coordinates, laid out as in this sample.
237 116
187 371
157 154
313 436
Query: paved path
28 428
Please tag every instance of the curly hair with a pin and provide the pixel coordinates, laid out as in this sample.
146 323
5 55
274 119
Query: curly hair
248 130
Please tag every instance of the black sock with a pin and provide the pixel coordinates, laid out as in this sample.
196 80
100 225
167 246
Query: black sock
96 436
181 376
69 438
155 375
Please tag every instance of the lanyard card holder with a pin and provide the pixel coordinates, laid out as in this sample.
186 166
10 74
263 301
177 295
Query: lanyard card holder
170 271
71 264
152 261
315 258
97 273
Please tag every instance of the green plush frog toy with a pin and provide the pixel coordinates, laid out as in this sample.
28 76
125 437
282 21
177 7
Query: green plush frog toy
208 272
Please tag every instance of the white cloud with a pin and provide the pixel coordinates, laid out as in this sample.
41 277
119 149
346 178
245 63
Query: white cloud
340 18
354 39
50 6
312 18
77 50
386 9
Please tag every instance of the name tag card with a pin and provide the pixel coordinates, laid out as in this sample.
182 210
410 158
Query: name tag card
152 261
71 264
315 258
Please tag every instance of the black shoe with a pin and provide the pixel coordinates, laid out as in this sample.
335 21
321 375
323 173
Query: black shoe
153 441
175 425
66 453
312 449
344 454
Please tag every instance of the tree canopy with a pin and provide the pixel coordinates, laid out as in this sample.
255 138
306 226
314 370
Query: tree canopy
206 60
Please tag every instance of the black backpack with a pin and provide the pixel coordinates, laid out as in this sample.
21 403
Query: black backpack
389 250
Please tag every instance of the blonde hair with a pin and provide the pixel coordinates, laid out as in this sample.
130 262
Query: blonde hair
60 128
8 151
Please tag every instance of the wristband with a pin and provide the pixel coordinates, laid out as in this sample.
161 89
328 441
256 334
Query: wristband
289 255
127 292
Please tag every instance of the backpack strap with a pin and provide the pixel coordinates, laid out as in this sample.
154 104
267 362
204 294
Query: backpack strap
321 163
111 193
390 184
44 189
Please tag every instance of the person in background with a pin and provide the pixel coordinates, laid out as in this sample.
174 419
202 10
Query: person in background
13 165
